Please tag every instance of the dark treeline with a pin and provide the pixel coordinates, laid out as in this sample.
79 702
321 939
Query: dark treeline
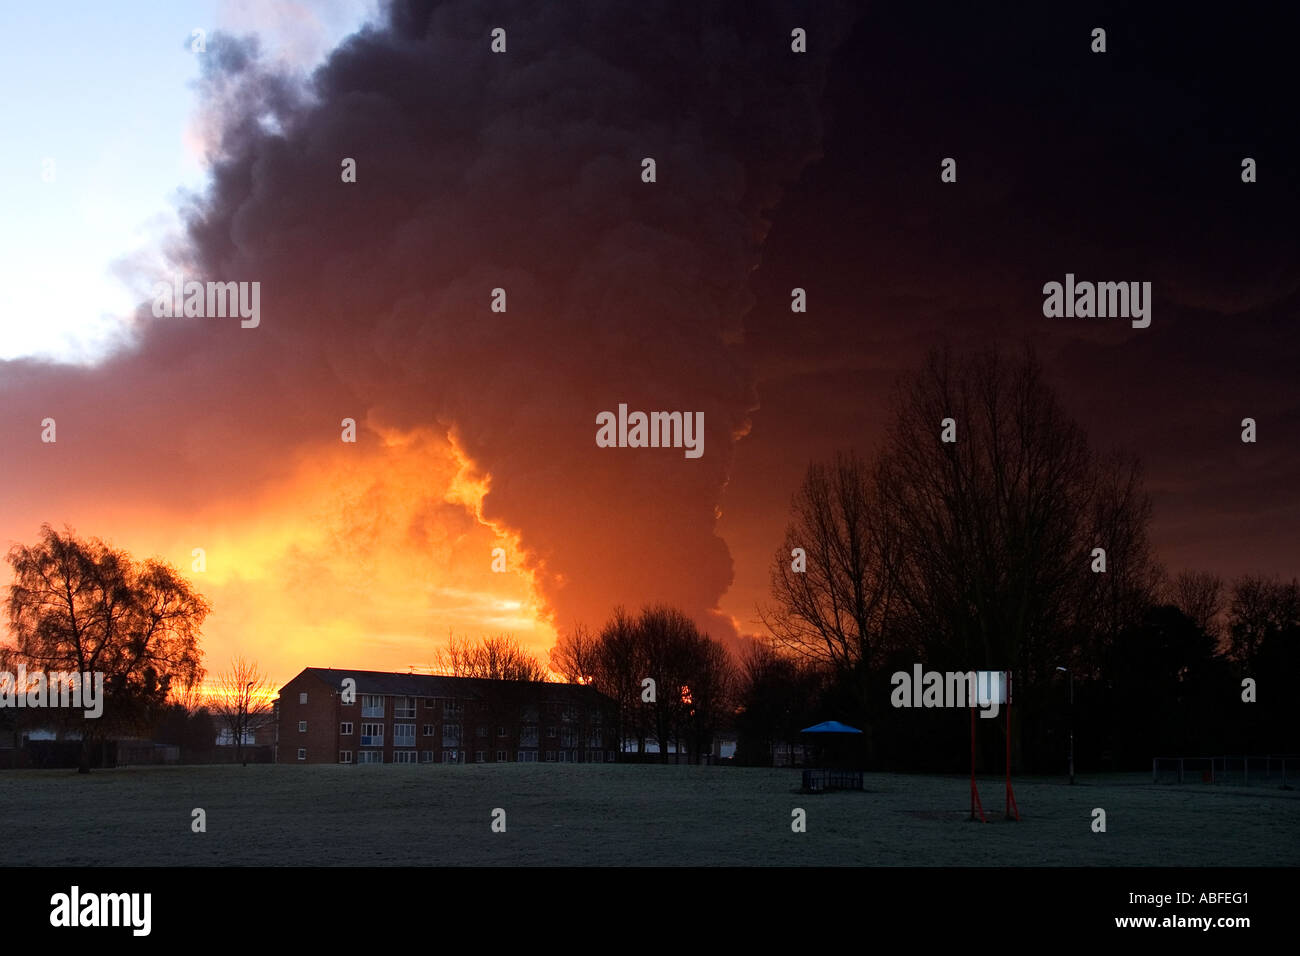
693 677
987 534
1170 685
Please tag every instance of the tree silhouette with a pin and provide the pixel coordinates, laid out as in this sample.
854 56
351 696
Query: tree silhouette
574 656
86 607
241 702
976 553
495 658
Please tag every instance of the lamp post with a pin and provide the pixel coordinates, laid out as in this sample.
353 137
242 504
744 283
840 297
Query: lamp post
1068 673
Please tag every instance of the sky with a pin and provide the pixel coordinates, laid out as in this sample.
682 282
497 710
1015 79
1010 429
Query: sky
523 171
103 140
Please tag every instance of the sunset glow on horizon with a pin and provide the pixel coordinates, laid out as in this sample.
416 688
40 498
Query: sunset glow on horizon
365 559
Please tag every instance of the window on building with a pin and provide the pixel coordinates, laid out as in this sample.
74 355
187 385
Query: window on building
450 735
372 735
403 756
526 756
370 756
372 705
501 731
550 731
302 698
404 708
302 753
569 712
528 735
451 756
452 709
426 756
345 729
593 739
403 735
428 730
479 756
481 730
345 756
568 737
609 756
550 756
501 756
302 726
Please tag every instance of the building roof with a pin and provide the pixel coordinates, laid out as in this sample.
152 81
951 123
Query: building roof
435 685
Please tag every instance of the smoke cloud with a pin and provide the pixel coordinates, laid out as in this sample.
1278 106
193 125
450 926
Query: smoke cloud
476 171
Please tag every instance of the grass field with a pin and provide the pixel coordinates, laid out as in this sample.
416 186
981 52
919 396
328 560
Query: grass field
575 814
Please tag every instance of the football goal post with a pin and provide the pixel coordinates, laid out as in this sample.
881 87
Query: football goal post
991 687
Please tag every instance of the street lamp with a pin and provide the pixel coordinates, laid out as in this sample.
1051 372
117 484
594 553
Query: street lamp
1070 675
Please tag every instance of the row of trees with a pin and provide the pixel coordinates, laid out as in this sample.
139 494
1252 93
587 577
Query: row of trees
987 534
495 658
1170 684
673 683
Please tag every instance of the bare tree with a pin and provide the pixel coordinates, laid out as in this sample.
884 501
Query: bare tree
835 576
241 702
1262 609
1202 597
974 537
86 607
989 520
667 637
693 678
575 656
775 694
1000 528
1116 600
711 693
620 667
494 658
189 697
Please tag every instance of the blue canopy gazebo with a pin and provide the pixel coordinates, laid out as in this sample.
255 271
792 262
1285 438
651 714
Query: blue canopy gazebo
842 776
830 727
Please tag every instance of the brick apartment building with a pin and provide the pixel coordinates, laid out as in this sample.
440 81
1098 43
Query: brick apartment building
419 718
